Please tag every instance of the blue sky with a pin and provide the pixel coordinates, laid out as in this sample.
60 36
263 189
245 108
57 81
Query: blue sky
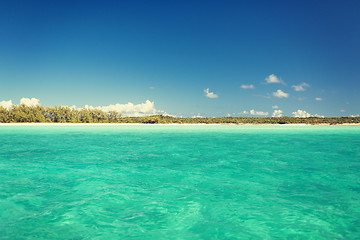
99 53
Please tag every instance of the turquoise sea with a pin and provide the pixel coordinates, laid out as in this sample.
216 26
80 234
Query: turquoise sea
179 182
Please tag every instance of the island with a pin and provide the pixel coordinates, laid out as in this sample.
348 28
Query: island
63 114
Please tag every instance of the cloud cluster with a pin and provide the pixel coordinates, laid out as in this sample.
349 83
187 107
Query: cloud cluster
209 94
273 79
6 104
302 87
277 113
280 94
258 113
31 102
301 114
251 86
128 109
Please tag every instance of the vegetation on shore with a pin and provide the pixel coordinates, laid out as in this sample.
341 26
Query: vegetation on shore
33 114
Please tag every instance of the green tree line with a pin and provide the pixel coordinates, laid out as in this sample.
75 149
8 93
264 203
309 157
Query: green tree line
33 114
23 113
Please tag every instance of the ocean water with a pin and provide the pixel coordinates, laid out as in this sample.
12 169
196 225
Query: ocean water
179 182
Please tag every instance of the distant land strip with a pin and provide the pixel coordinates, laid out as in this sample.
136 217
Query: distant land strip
38 114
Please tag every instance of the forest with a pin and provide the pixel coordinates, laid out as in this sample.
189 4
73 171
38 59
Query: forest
39 114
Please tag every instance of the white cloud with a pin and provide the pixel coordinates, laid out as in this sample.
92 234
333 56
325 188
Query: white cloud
6 104
31 102
251 86
275 107
91 107
253 112
277 113
197 116
151 87
280 94
342 110
273 79
301 114
318 99
130 109
302 87
259 113
209 94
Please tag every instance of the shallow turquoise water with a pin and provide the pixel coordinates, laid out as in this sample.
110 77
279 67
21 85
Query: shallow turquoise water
179 182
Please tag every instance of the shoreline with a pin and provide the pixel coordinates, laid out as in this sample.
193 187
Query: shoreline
177 124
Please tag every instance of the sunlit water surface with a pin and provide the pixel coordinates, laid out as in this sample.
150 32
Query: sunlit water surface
179 182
